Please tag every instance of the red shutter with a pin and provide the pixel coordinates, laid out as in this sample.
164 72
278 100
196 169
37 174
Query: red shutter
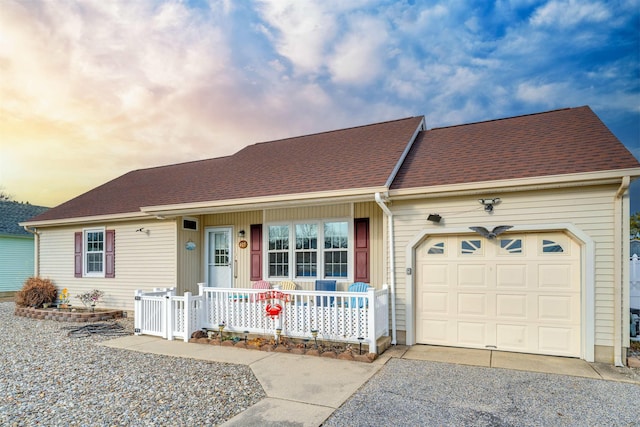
256 252
110 254
361 238
77 254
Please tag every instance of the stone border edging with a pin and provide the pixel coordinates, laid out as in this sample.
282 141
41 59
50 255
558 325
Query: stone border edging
367 357
67 316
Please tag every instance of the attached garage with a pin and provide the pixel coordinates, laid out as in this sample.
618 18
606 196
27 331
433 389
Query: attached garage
515 292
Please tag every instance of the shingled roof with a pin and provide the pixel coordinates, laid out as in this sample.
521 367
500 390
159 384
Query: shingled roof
11 213
356 158
363 159
567 141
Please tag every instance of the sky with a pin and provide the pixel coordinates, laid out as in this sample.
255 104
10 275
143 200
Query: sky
92 89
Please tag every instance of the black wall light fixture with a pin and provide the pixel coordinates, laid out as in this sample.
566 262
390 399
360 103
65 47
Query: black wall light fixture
434 218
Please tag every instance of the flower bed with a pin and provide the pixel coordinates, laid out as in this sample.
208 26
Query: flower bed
68 315
285 345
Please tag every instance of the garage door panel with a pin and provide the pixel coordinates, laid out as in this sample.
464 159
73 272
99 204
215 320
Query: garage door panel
512 337
472 334
472 304
435 331
511 276
435 275
435 302
555 308
559 341
556 277
472 276
511 306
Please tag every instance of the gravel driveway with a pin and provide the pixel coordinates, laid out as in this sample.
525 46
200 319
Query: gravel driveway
417 393
51 379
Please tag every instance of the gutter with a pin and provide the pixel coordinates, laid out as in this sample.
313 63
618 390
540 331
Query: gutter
392 264
618 305
36 249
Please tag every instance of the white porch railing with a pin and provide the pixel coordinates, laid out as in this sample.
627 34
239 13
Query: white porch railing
352 317
634 279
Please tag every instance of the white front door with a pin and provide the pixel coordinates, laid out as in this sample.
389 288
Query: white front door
218 256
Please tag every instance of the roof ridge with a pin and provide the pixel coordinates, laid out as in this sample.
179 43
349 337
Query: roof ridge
333 131
508 118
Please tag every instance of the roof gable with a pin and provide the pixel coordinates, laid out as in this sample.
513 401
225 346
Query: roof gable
354 158
557 142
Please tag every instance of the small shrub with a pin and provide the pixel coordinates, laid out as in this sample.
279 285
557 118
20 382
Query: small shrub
90 298
35 292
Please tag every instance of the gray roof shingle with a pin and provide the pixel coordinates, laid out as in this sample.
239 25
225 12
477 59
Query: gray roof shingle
11 213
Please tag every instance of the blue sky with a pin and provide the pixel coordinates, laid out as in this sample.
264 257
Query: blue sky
90 90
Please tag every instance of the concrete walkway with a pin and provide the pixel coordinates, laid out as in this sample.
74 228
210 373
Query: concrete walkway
306 390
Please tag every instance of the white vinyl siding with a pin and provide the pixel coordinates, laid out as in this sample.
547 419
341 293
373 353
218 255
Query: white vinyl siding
142 261
591 209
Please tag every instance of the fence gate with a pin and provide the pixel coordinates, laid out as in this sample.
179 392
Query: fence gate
151 312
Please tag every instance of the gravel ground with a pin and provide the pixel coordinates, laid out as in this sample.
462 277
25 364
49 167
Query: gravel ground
417 393
51 379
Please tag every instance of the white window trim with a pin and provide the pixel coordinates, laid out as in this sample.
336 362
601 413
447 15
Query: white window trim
85 246
320 251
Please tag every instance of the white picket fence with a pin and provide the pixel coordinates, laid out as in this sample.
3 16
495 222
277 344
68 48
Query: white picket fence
634 282
351 317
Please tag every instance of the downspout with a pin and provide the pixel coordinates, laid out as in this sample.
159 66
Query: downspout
392 264
36 249
618 276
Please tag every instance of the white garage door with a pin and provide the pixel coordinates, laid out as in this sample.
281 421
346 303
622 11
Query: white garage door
514 293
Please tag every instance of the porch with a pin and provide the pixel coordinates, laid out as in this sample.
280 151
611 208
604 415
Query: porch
348 317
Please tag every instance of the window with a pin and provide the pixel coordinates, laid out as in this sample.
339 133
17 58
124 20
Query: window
94 254
471 247
278 251
306 250
436 249
336 243
306 258
511 246
550 246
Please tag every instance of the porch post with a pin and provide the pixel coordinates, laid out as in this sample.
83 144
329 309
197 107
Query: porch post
188 323
137 312
168 309
371 300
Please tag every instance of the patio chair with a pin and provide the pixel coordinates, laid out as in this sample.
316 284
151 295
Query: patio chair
325 285
288 286
358 287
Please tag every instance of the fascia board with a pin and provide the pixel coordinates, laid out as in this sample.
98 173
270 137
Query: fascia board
289 200
511 185
86 220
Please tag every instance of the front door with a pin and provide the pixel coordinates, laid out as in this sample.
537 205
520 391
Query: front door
218 257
